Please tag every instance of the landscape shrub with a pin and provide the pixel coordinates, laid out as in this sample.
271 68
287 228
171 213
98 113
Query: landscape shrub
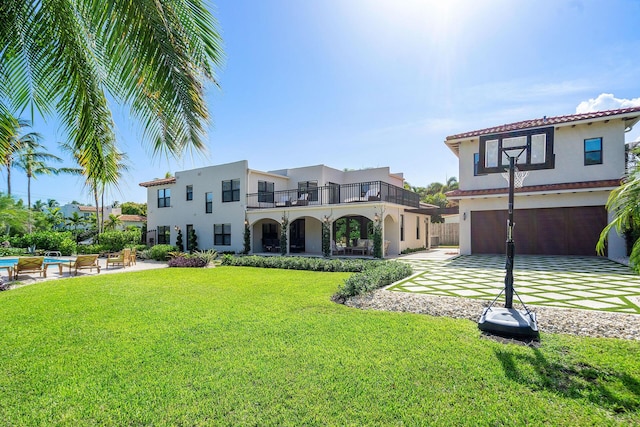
188 260
382 274
12 251
114 241
298 263
91 249
47 241
160 252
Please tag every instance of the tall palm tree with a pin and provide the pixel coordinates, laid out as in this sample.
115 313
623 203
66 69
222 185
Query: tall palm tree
14 142
33 163
72 55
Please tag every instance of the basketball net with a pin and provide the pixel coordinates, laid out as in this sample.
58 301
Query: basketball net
518 177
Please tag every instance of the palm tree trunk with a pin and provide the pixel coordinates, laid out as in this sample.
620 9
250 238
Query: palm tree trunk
29 200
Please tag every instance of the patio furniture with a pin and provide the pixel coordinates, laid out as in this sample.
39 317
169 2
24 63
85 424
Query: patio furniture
123 258
363 247
133 258
9 269
58 263
30 264
85 262
337 250
271 245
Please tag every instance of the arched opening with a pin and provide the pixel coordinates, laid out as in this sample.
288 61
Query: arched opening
347 230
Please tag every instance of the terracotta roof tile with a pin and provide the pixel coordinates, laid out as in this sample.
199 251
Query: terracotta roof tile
536 188
132 218
155 182
544 121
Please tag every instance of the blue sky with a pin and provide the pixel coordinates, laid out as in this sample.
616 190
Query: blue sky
357 84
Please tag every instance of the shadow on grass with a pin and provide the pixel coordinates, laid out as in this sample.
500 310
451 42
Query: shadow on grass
618 392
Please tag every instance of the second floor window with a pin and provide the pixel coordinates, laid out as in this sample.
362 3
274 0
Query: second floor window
208 202
593 151
308 188
189 192
231 191
265 191
476 160
164 198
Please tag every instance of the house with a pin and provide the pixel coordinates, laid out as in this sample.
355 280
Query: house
86 212
572 163
219 201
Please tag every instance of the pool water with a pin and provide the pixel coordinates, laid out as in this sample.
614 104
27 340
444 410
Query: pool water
14 261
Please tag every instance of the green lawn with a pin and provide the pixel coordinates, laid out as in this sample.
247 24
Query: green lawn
244 346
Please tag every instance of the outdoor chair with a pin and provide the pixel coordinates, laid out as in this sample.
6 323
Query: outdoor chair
85 262
134 256
337 250
30 264
123 258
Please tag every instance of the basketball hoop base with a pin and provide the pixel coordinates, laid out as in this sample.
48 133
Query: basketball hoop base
509 322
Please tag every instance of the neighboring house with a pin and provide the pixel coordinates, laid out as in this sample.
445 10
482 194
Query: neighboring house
573 161
218 201
131 221
86 212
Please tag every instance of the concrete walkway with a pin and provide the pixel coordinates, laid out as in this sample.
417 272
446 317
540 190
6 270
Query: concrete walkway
572 282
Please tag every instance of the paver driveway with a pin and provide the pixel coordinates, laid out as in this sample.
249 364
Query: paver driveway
574 282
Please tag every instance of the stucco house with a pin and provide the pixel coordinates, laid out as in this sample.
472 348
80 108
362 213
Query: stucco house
219 201
573 163
87 211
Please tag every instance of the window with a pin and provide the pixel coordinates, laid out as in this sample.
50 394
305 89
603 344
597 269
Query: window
222 234
310 188
401 228
593 151
189 192
164 198
265 191
476 160
537 145
418 228
208 202
231 191
164 234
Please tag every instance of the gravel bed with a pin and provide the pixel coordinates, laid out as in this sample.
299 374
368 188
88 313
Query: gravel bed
589 323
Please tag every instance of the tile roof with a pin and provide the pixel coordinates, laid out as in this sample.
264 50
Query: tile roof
548 188
545 121
155 182
132 218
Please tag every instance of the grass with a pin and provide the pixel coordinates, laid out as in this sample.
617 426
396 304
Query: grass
244 346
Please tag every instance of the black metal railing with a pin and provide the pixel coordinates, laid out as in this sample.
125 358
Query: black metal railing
371 191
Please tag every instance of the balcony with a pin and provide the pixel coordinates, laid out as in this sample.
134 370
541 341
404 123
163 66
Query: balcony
333 194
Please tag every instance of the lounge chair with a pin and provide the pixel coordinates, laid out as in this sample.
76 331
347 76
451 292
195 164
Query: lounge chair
30 264
134 256
123 258
85 262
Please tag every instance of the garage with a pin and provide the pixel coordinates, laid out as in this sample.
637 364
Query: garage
552 231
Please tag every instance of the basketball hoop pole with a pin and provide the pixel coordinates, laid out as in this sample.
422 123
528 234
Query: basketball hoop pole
508 279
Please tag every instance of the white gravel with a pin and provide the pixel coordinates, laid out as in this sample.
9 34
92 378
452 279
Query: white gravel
557 320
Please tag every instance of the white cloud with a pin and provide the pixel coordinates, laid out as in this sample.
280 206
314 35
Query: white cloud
606 101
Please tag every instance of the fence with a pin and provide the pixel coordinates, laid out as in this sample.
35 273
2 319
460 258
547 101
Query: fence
448 234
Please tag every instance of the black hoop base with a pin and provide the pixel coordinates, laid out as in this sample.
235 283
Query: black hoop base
509 322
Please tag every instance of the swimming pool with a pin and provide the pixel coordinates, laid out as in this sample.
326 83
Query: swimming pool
10 262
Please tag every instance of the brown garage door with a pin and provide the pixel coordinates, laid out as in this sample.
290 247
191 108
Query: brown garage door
556 231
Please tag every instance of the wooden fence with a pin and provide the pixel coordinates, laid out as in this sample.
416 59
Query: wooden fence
447 234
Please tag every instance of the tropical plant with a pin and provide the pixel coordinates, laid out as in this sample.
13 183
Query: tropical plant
179 242
76 220
284 227
72 56
623 203
247 239
132 208
55 217
39 206
326 239
113 222
193 240
14 142
13 215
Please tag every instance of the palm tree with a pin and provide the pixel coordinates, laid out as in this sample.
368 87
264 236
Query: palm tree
623 203
55 217
15 143
33 163
113 222
39 206
72 55
76 220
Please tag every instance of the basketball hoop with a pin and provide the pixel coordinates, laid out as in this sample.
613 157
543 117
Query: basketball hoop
518 177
